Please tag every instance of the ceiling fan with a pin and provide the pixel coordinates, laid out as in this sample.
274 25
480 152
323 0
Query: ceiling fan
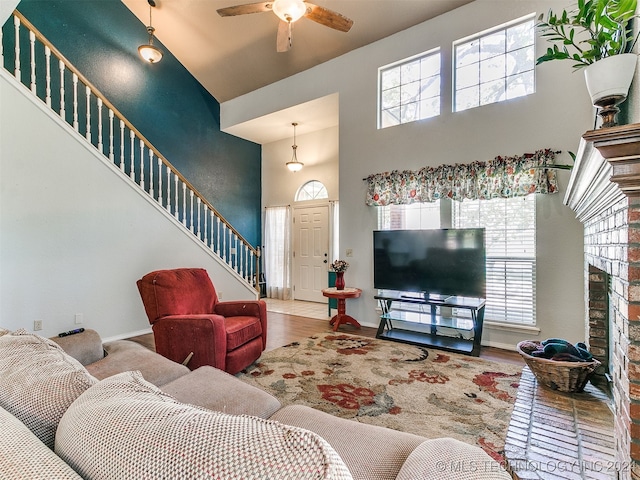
289 11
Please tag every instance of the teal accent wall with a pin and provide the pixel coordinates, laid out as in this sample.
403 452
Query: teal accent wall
164 101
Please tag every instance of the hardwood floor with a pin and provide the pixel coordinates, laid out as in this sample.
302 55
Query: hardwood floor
285 328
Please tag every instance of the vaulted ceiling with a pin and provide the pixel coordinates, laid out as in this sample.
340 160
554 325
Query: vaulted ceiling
231 56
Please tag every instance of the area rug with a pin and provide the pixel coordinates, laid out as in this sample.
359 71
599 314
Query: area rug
408 388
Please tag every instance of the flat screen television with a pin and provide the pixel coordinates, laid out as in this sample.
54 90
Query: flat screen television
441 262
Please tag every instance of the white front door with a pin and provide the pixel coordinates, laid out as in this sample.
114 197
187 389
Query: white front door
310 252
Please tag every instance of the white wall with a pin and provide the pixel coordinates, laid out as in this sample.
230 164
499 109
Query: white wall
6 8
319 153
74 235
555 116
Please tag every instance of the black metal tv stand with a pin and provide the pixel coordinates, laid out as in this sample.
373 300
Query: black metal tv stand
421 328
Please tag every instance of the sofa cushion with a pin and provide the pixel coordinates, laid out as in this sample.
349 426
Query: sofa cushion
25 457
125 427
450 459
369 451
215 389
86 347
38 381
125 355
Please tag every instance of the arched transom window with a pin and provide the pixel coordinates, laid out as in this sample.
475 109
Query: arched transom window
312 190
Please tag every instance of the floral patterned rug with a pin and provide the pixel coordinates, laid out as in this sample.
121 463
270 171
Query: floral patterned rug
413 389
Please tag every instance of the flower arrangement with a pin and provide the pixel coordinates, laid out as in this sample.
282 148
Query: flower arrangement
339 266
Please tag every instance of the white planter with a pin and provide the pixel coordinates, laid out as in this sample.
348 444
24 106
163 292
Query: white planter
610 76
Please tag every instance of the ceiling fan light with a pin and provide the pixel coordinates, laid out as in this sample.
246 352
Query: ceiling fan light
289 10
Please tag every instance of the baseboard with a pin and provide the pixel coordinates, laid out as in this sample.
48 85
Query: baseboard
124 336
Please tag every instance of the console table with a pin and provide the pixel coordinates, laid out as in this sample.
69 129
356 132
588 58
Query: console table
341 296
421 328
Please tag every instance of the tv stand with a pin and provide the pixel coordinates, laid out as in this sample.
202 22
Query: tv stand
422 328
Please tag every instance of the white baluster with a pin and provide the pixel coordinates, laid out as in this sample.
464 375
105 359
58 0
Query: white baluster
47 61
230 262
87 92
160 187
151 173
251 262
238 256
198 203
132 163
111 135
62 110
184 204
211 222
168 190
159 175
76 124
191 210
224 241
122 145
206 233
100 145
32 52
218 235
142 164
175 203
16 71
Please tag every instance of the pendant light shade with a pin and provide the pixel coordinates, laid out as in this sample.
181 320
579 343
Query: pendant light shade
294 165
149 52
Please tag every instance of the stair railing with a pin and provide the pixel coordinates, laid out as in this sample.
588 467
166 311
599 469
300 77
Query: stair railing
71 96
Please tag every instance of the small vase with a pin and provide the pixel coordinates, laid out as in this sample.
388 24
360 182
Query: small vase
339 280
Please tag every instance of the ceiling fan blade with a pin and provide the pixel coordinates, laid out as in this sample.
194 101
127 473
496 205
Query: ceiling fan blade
327 17
283 42
244 9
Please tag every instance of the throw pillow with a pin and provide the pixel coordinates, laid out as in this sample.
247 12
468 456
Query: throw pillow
125 427
38 381
24 456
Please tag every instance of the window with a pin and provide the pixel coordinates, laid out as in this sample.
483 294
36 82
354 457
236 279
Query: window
495 66
313 190
510 240
417 216
409 90
510 246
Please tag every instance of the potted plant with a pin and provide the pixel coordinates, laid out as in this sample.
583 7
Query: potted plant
598 37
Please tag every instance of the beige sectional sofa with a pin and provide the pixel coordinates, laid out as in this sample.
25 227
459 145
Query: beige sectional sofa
75 408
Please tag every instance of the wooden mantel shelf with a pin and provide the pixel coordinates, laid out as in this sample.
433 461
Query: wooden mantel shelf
607 168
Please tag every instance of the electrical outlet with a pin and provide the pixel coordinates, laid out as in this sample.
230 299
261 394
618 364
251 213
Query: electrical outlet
79 318
37 325
349 252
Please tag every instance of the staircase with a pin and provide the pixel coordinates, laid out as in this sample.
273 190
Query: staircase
50 77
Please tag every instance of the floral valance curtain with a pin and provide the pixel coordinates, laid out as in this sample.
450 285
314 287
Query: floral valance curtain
504 177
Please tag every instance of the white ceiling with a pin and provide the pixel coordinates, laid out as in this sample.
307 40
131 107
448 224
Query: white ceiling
231 56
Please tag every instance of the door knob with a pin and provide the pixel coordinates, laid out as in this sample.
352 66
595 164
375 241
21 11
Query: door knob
325 261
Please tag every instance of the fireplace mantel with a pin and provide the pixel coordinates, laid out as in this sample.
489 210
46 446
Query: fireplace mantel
607 168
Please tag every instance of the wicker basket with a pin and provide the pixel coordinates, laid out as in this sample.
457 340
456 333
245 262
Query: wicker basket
558 375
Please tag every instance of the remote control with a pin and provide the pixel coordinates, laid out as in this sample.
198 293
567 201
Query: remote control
71 332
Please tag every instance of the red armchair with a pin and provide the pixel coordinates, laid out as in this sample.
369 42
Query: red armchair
187 318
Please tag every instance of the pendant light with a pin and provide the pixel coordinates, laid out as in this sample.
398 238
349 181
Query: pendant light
294 165
149 52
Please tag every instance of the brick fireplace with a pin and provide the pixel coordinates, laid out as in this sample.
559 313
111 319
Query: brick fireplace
604 192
